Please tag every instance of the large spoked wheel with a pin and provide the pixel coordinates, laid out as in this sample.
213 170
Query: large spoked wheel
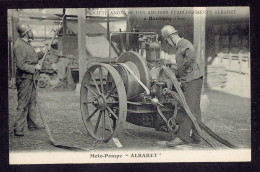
103 101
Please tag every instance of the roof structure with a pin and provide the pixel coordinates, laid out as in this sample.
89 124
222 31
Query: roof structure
92 28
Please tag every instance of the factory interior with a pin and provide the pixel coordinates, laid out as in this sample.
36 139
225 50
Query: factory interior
91 37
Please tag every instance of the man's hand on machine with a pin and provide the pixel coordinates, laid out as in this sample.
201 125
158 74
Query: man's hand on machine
57 28
38 67
174 67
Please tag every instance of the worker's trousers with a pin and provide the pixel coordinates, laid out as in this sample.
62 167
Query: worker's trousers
192 93
26 109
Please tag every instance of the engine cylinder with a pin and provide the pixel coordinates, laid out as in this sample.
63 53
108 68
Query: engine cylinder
153 52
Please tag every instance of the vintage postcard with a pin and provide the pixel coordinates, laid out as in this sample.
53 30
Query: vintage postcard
127 85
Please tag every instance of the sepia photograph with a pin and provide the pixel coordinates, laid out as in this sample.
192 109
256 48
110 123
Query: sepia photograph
129 85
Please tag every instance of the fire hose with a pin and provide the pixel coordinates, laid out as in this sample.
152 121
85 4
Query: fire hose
199 125
179 97
48 131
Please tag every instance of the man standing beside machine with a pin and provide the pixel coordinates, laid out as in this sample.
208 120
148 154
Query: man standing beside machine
27 65
190 74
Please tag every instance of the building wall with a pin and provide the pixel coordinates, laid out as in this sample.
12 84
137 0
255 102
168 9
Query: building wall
227 38
68 45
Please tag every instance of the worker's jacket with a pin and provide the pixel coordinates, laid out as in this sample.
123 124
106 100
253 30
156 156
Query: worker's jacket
26 59
188 63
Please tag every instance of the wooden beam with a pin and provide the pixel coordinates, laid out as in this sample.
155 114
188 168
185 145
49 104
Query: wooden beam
15 20
128 29
44 16
34 14
64 22
95 17
199 36
229 38
42 20
82 42
15 36
108 29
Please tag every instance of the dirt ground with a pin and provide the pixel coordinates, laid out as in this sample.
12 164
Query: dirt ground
228 115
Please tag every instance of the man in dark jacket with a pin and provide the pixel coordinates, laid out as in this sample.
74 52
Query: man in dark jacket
27 65
190 74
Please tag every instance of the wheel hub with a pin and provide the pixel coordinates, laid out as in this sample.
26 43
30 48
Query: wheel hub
100 102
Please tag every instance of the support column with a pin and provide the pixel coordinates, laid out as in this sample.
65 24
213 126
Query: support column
108 27
15 35
82 42
64 22
128 29
199 37
230 38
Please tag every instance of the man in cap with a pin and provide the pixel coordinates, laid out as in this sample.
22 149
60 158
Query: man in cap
190 74
27 65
